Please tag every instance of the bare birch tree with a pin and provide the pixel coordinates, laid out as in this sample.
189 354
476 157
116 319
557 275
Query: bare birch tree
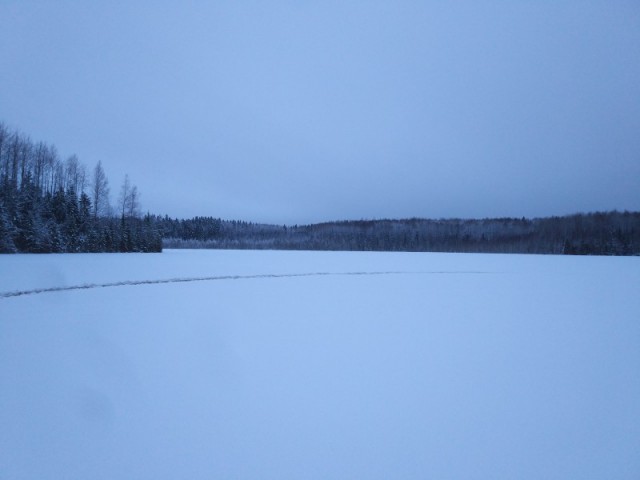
100 192
129 199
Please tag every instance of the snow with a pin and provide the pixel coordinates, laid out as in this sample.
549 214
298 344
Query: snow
434 366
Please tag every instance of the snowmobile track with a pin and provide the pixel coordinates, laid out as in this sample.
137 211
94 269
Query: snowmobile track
125 283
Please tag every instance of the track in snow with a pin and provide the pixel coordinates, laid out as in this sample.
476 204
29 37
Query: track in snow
125 283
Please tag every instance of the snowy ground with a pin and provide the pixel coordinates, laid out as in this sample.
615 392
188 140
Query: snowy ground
435 366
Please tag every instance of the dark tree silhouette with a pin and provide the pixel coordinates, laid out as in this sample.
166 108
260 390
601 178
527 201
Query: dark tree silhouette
44 206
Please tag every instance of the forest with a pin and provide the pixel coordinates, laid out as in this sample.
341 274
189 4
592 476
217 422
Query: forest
601 233
52 205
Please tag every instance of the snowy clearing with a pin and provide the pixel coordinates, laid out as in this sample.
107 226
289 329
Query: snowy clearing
288 365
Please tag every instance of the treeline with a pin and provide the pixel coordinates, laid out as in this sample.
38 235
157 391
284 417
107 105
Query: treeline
52 205
602 233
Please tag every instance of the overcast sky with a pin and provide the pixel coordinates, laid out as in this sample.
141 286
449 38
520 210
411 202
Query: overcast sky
299 111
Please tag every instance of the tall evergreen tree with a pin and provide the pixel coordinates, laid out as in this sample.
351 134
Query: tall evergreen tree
7 231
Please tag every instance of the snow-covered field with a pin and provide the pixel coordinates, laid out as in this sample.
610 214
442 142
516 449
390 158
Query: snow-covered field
301 365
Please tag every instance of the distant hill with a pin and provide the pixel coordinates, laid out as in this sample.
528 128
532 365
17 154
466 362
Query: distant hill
600 233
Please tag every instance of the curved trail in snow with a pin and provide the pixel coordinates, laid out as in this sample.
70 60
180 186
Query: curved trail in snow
125 283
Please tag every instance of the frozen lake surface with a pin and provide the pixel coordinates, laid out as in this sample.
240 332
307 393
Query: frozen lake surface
319 365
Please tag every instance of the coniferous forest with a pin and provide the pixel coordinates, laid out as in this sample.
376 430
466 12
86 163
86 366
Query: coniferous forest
52 205
603 233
